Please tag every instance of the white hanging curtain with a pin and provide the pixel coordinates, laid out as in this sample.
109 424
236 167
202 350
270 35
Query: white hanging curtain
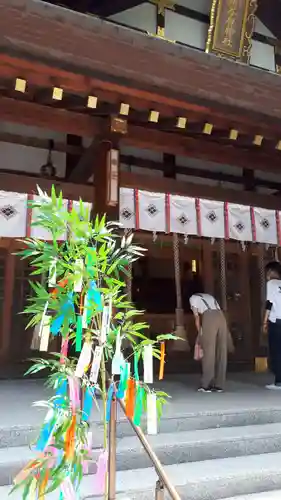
265 226
239 222
212 220
13 214
151 211
38 231
127 214
183 218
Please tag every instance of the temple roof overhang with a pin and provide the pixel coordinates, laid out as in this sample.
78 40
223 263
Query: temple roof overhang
114 58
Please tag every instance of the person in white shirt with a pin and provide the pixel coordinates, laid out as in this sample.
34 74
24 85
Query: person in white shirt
213 336
272 320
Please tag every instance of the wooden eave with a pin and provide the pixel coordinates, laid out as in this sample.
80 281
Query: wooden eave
136 65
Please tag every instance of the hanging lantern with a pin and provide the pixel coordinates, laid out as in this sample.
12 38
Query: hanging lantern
48 170
112 177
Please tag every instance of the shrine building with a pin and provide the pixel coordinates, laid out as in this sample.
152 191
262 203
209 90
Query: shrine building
166 115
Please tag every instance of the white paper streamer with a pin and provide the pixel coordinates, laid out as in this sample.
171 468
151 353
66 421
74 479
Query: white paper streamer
78 283
118 358
151 413
45 334
84 359
53 274
148 364
105 323
96 364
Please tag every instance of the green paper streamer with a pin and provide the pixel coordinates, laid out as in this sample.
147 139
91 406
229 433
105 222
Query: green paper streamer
136 366
139 405
91 260
79 331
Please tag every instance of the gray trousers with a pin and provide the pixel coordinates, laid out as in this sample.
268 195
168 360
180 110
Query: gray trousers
215 346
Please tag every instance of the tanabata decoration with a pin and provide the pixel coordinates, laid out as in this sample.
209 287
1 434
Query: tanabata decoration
84 301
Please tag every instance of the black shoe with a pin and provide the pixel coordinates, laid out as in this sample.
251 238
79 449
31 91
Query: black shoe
204 389
217 389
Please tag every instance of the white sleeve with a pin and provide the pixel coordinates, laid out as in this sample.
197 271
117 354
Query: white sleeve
269 292
193 302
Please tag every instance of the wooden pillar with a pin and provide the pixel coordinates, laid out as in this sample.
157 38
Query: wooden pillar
231 29
208 268
9 281
107 170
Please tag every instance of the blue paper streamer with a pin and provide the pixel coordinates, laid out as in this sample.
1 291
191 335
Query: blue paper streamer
88 403
60 394
108 402
95 295
49 426
122 383
67 311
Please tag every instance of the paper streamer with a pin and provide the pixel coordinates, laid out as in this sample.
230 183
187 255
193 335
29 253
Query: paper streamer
79 333
108 401
139 405
53 274
67 313
61 394
94 374
130 398
43 486
74 393
118 358
148 364
136 365
67 490
88 403
162 361
64 350
105 324
32 490
70 439
151 413
46 432
123 383
78 280
88 448
100 476
84 360
45 334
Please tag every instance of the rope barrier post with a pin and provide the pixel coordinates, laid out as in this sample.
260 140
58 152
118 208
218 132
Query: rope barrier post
223 275
159 491
180 330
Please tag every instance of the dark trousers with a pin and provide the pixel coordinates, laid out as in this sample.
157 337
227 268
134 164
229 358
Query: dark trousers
274 344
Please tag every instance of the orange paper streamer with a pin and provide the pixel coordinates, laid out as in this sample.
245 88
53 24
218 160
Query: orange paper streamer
61 284
130 398
162 361
43 486
70 439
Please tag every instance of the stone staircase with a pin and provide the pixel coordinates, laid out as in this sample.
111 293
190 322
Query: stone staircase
212 455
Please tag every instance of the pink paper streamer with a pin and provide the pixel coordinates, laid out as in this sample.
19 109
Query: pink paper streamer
64 350
68 490
88 447
74 392
100 476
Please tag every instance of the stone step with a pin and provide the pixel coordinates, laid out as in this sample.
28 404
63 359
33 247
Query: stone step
210 480
23 435
175 448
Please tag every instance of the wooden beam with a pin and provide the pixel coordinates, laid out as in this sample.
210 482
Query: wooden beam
84 169
58 120
39 143
75 82
180 144
23 183
174 143
205 173
162 185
